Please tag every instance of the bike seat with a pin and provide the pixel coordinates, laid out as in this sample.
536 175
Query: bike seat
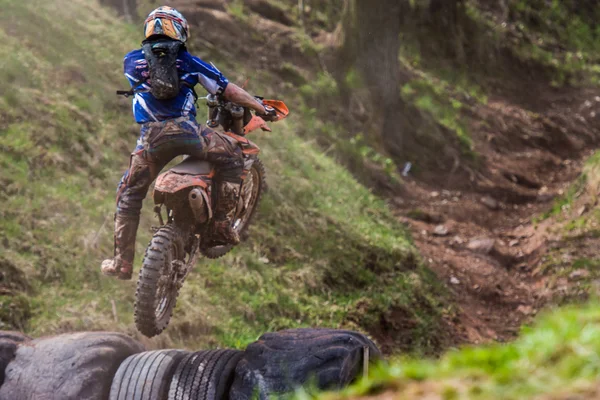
193 166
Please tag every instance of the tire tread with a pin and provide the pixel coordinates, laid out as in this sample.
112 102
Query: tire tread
205 375
146 376
149 275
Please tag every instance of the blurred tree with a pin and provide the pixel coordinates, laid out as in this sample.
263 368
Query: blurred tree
370 39
126 8
371 43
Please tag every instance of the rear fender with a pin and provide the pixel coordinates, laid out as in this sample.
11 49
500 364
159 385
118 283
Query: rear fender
171 182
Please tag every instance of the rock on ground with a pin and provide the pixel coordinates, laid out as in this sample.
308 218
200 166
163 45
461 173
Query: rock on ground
279 362
78 366
483 246
490 202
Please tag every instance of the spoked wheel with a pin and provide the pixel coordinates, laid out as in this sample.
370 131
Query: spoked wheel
252 190
160 280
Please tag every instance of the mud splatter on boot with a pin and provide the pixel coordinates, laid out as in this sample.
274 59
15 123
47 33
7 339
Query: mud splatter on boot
223 232
121 265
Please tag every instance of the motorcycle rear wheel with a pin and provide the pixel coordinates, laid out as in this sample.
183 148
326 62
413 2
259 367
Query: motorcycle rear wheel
257 179
158 286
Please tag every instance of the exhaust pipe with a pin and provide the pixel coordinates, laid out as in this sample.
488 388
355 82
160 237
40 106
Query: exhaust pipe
198 203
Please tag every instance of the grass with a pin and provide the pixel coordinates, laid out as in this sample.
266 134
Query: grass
565 202
557 357
324 250
588 183
436 100
356 151
561 36
576 223
236 8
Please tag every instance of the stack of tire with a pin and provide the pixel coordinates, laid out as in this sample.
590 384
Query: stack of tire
112 366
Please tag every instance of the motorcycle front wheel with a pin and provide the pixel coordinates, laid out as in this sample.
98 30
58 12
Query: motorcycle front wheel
159 281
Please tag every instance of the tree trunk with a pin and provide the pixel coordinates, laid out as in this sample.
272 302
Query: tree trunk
125 8
372 34
372 44
301 11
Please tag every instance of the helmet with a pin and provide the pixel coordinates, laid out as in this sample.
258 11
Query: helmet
167 21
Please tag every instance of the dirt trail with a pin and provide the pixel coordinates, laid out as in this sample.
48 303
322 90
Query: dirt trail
478 234
531 140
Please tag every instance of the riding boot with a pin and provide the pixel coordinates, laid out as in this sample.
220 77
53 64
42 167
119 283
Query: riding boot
121 265
227 197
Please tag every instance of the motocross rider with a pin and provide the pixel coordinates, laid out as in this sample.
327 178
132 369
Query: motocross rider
169 129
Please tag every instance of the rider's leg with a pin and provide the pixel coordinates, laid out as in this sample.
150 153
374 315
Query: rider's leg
145 164
132 191
226 154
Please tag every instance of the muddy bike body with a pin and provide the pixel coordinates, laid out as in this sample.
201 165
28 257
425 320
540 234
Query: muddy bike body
186 195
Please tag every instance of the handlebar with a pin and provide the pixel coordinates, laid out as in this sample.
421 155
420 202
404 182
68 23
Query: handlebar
235 118
231 116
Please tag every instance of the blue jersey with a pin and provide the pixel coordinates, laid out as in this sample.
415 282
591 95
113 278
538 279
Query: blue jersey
192 70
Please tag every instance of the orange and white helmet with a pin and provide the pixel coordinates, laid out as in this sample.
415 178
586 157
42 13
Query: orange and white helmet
167 21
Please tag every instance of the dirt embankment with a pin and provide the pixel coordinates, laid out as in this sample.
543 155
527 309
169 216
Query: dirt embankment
480 234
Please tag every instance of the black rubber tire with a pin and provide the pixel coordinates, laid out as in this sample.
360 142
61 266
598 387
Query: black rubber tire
159 255
9 341
146 376
280 362
14 336
205 375
220 251
8 349
72 366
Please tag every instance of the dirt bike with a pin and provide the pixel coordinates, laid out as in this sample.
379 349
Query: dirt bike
187 192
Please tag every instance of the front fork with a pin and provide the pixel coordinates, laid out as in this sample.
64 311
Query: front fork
184 268
158 212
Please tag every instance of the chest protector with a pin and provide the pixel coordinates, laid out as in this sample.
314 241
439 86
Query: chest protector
162 65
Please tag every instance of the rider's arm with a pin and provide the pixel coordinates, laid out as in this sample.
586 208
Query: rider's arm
239 96
215 83
208 75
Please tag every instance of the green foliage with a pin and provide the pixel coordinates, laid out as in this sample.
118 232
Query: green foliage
564 35
14 311
356 152
566 21
565 202
586 263
434 98
236 8
557 356
588 182
321 89
358 145
353 79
